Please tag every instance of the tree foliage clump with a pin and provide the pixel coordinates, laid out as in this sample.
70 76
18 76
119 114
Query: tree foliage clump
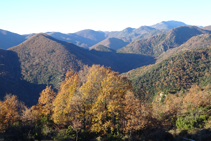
94 95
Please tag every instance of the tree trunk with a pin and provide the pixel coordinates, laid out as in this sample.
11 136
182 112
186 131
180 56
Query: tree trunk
76 136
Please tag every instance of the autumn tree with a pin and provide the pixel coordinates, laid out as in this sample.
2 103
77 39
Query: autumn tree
8 111
95 95
138 114
28 115
61 104
109 104
45 102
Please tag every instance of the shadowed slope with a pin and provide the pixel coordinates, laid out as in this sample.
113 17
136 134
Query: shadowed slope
45 60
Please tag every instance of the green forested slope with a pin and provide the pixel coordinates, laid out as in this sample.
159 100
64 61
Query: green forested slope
176 73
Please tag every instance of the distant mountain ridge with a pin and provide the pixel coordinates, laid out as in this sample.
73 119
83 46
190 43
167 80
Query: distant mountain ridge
156 45
87 38
9 39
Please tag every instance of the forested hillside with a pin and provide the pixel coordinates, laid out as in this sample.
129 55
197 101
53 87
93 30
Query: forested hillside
176 73
45 60
97 104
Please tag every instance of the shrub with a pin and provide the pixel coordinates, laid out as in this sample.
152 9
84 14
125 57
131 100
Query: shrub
192 119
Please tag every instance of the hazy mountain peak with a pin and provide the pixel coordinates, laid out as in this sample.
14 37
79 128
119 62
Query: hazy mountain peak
91 34
128 29
168 24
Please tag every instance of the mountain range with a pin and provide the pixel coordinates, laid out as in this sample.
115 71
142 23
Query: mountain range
144 55
43 60
87 38
156 45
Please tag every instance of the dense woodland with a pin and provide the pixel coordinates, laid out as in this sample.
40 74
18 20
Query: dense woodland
176 73
96 103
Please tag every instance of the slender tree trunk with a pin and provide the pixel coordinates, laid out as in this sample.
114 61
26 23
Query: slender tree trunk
76 135
84 122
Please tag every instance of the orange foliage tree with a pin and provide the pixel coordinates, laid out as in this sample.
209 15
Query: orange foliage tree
45 102
8 111
94 95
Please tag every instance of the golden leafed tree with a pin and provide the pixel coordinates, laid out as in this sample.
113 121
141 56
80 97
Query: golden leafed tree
8 111
45 102
94 95
61 104
104 93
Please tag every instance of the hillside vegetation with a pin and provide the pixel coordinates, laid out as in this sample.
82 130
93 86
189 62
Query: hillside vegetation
97 104
176 73
44 60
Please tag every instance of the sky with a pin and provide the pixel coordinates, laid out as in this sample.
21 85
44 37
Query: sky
69 16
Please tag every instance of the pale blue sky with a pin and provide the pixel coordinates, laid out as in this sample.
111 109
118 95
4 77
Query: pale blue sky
68 16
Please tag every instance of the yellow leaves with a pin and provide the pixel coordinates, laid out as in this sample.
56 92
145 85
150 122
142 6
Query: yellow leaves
8 110
61 103
96 95
45 101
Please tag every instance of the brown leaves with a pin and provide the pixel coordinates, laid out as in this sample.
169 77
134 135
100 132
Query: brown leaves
95 95
45 101
8 111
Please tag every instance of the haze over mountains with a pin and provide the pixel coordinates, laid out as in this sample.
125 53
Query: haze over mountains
156 45
33 61
87 38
